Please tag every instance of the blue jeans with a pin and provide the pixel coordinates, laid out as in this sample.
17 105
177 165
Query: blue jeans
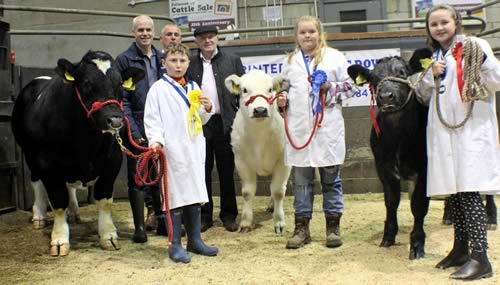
331 187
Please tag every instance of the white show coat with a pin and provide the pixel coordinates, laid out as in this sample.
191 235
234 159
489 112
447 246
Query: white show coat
328 145
468 158
165 122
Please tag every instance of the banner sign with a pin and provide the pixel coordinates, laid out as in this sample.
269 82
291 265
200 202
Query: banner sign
273 65
190 14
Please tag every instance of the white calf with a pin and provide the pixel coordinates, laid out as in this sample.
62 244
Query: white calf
257 139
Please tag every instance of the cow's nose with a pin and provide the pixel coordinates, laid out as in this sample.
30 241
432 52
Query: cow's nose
115 122
386 96
260 112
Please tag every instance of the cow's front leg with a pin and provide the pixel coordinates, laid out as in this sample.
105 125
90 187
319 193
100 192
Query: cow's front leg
59 244
419 209
278 189
392 197
39 206
106 228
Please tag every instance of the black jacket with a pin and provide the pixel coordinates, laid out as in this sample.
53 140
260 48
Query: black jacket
223 65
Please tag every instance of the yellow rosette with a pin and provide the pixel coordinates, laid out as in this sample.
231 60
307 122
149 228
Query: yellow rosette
195 125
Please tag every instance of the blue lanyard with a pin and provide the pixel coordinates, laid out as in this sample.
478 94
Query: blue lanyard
306 63
181 92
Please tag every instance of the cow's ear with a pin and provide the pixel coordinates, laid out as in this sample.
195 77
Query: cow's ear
280 83
420 60
130 77
66 69
359 74
233 83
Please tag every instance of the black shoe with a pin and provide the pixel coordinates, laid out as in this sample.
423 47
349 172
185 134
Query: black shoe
458 256
473 270
205 225
231 226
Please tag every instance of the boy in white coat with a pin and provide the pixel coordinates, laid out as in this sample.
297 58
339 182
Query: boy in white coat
173 117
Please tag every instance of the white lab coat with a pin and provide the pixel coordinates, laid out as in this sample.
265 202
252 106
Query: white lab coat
165 122
468 158
328 145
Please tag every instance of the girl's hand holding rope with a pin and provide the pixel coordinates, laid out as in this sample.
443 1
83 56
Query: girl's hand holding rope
281 99
438 68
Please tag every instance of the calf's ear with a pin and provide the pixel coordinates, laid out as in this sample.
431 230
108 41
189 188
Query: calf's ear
420 60
359 74
280 83
66 69
131 76
232 83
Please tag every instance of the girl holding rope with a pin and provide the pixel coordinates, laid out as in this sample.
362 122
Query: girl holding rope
174 114
319 81
462 135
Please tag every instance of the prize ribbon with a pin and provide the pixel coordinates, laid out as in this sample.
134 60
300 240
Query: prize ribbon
195 125
318 78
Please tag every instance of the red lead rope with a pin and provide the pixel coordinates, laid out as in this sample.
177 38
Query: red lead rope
148 163
317 124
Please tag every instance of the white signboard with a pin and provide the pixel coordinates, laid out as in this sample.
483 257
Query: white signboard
421 7
190 14
273 65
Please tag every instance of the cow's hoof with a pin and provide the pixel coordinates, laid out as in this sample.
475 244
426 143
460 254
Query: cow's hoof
59 249
279 230
387 243
245 229
38 224
491 227
74 219
110 244
416 254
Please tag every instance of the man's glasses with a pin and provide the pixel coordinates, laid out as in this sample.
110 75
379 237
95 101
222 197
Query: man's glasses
169 34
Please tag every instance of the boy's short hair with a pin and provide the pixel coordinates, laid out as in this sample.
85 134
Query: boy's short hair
176 48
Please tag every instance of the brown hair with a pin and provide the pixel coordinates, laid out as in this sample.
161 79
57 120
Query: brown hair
176 48
322 38
454 14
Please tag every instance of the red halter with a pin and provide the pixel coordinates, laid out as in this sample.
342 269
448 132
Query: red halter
252 98
96 106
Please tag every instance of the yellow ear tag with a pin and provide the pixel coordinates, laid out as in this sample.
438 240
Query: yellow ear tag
194 123
128 84
68 76
425 62
360 80
236 89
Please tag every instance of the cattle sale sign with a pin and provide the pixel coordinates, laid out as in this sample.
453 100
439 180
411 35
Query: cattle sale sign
191 14
273 65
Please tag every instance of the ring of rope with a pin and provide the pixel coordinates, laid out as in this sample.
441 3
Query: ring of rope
472 90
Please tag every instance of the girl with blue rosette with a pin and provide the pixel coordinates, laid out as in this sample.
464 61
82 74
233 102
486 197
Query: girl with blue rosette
313 114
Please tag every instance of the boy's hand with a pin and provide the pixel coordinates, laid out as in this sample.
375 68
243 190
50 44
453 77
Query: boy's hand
157 147
438 68
205 102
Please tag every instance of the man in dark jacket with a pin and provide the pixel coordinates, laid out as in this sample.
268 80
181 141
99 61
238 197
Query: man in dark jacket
209 68
144 55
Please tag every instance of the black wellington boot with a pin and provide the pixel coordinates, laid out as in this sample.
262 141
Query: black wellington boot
192 223
458 255
136 198
175 250
476 268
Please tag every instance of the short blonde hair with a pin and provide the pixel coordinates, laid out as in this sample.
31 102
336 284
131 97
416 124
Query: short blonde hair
176 48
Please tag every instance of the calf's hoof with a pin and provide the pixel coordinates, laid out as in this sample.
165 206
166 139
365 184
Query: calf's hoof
140 237
59 249
417 253
279 230
245 229
38 224
387 243
110 244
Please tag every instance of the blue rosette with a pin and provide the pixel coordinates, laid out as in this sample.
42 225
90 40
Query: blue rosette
318 78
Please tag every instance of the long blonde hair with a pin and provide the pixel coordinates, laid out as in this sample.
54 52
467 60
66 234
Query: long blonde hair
318 56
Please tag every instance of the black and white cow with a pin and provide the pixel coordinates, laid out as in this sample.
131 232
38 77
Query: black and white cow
400 148
65 127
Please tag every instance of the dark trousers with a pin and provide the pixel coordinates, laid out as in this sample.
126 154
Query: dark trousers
218 146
